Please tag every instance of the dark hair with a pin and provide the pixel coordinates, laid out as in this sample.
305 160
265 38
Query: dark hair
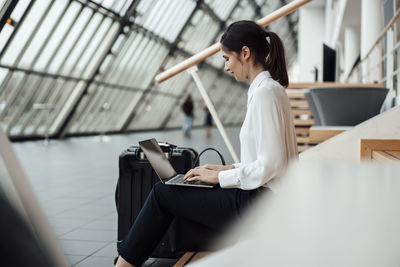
270 54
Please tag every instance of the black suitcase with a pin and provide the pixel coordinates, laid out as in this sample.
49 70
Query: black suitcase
136 179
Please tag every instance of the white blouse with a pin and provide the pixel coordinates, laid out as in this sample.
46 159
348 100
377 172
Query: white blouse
267 137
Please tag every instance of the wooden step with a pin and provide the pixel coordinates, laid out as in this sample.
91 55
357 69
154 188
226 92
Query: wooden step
300 122
299 103
295 93
322 133
303 111
305 140
302 130
301 139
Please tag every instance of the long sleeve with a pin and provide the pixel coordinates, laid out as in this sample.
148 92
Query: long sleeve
262 142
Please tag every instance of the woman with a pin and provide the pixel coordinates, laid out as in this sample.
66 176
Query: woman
267 138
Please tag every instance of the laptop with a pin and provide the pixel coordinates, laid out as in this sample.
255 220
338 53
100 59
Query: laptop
163 168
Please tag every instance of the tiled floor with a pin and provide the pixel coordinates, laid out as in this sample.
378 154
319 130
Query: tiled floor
75 181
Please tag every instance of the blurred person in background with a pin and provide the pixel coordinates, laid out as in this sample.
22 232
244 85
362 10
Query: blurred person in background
207 121
187 108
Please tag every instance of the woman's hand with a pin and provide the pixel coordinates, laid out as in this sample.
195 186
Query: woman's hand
207 173
217 167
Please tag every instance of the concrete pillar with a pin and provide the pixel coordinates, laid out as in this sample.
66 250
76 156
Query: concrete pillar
328 22
351 48
371 27
311 37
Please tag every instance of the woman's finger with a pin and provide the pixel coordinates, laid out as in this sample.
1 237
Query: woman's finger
188 174
192 178
195 178
191 173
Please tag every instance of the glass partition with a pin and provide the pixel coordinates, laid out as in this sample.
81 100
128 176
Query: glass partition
87 67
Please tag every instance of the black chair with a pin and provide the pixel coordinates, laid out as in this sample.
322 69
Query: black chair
346 106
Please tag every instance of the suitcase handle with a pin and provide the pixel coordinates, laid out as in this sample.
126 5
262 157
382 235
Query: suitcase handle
204 150
140 155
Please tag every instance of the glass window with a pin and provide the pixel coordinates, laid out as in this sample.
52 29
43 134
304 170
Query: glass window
79 39
101 110
101 49
177 116
58 91
82 44
216 60
80 20
19 101
152 112
37 107
51 49
9 93
144 68
172 24
19 10
165 18
41 37
72 94
87 45
244 11
199 34
135 49
86 110
143 10
221 8
26 31
5 35
114 5
124 7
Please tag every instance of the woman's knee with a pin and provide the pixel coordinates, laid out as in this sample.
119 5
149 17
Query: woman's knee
159 186
160 191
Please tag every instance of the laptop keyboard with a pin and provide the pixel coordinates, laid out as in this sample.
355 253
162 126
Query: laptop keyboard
179 180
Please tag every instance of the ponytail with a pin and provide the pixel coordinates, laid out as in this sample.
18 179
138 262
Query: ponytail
270 54
275 61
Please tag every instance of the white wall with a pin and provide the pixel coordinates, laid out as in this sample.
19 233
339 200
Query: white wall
311 36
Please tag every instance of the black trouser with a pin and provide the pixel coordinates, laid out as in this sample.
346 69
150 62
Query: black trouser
213 208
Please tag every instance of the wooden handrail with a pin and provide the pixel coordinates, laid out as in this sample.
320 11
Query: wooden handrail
390 24
380 37
193 60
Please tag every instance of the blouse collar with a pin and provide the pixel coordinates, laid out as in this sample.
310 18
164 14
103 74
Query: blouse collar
256 83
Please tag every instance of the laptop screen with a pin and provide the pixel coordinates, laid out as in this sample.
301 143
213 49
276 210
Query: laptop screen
157 159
